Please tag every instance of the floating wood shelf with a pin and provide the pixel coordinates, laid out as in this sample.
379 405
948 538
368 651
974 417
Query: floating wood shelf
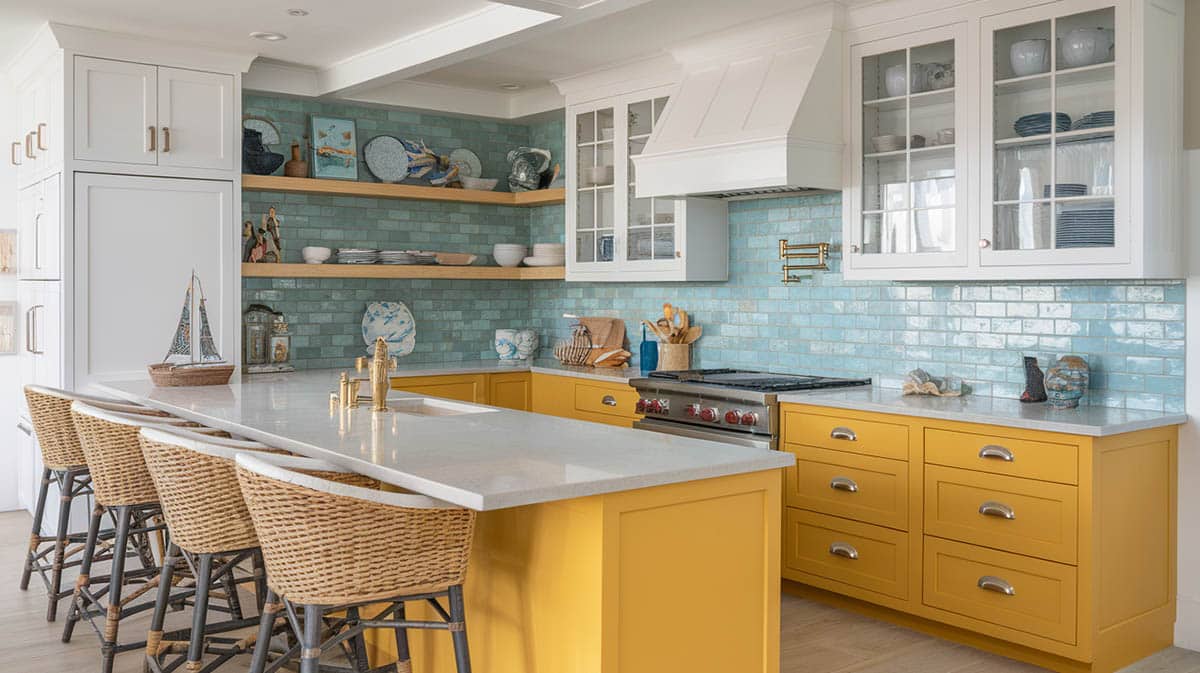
402 271
378 190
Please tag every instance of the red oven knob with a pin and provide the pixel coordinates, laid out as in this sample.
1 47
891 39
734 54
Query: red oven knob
709 414
662 406
642 405
750 418
653 406
733 417
692 410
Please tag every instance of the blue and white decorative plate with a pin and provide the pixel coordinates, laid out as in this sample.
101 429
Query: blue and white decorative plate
394 322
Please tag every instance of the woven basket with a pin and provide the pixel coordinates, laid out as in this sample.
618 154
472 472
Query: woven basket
114 458
50 411
326 549
168 375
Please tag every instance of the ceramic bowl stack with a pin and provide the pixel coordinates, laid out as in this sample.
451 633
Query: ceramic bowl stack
1095 120
1039 123
509 254
314 254
1084 227
888 143
357 256
395 257
547 254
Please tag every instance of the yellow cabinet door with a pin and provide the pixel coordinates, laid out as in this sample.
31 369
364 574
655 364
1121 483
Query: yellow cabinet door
849 485
857 555
845 432
461 387
510 390
585 399
1014 456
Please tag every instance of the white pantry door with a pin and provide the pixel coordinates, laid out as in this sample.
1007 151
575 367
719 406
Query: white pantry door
137 241
195 118
116 111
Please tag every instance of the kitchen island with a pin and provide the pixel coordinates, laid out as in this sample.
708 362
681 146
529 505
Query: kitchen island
597 549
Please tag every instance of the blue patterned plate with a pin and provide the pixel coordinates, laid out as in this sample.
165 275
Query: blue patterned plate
394 322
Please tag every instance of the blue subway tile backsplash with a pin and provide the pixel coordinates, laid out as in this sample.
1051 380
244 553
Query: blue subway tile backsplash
1131 332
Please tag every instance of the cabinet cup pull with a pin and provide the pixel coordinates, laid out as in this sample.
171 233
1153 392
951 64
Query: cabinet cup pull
29 146
152 132
40 144
166 131
842 432
609 400
843 484
844 550
998 509
996 452
14 154
996 584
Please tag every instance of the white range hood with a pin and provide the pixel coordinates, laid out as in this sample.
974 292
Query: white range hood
764 118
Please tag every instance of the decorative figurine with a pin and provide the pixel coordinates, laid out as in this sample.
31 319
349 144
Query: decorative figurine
1067 381
526 167
271 241
253 245
297 167
256 158
919 382
1035 382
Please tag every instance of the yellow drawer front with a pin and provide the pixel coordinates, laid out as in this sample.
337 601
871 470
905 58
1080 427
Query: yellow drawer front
1023 516
849 485
1003 455
844 433
823 546
464 387
609 400
973 581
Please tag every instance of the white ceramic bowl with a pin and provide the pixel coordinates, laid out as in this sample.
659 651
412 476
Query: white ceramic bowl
888 143
482 184
549 249
545 261
1087 46
315 254
1029 57
895 80
509 255
597 175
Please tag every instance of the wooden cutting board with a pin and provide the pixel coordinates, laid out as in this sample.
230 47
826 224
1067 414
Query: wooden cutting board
607 333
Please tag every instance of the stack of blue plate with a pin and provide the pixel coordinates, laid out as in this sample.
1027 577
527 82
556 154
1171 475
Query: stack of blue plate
1095 120
1065 189
1085 228
1039 123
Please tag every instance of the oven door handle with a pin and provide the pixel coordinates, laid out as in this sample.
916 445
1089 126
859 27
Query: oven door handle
724 436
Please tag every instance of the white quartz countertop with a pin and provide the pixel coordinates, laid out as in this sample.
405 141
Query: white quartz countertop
489 459
618 375
1091 421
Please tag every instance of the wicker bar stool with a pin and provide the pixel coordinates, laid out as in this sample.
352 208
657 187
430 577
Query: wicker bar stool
66 467
123 488
212 532
332 547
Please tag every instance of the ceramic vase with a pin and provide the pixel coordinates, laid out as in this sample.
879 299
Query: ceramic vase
674 357
1066 382
527 344
506 344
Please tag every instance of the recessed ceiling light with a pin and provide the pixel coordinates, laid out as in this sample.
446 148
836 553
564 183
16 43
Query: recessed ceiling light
298 12
268 36
511 87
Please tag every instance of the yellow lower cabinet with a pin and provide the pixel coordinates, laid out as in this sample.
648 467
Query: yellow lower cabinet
845 431
585 399
849 485
461 387
1015 592
511 390
864 559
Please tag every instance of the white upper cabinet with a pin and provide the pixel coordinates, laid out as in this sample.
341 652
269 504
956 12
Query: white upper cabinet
612 235
1076 110
36 149
131 113
908 201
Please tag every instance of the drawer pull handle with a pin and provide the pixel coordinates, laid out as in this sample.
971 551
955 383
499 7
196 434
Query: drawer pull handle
609 400
844 550
996 452
993 508
843 484
993 583
842 432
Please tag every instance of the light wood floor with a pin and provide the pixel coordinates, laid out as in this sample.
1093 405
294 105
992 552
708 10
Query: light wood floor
815 639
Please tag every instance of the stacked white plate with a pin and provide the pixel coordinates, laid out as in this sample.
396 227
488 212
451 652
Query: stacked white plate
422 257
547 254
395 257
357 256
1085 228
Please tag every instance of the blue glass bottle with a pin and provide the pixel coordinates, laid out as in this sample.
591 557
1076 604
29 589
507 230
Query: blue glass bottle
649 353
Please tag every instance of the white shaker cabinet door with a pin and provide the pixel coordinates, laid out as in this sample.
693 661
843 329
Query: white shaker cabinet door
116 115
42 345
136 242
195 118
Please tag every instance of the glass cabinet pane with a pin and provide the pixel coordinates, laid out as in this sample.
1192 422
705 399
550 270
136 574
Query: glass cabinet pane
595 161
651 233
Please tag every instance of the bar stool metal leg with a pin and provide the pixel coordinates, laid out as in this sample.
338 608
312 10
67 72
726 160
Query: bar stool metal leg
85 570
112 620
161 601
403 656
271 607
35 537
200 611
458 629
310 640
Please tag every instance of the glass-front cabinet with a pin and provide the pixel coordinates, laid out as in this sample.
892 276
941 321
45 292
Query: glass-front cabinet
908 117
1056 164
612 235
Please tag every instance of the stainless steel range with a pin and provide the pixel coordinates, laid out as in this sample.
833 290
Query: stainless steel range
725 405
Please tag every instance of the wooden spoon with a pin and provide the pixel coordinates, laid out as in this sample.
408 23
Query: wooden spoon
669 313
655 330
693 333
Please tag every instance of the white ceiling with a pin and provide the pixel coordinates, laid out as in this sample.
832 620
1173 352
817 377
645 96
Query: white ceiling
332 31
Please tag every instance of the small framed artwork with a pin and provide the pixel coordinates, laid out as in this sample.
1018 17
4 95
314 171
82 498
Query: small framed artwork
334 148
8 251
8 327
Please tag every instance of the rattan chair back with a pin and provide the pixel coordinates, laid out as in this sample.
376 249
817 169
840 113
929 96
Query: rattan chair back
330 543
50 411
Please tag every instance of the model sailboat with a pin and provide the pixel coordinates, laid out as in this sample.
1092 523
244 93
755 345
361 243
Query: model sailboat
191 361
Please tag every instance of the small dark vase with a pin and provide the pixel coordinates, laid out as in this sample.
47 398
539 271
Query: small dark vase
1035 382
256 158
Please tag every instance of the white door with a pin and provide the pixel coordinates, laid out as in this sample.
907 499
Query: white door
41 335
39 230
115 111
28 205
195 119
136 242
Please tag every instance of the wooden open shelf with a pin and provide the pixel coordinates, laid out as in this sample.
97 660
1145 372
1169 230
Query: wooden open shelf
402 271
378 190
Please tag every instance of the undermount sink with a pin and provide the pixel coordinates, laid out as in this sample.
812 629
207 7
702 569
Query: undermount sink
425 406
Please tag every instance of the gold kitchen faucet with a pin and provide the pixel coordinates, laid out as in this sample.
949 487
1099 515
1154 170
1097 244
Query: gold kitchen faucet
378 376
